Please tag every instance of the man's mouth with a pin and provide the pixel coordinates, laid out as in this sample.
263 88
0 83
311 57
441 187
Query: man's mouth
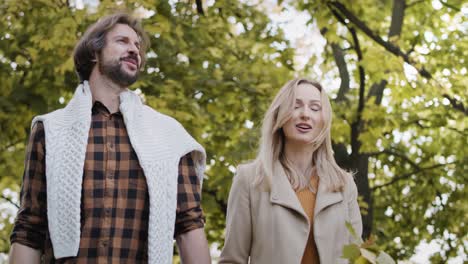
132 61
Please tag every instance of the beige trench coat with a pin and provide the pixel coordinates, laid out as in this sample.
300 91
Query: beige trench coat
271 227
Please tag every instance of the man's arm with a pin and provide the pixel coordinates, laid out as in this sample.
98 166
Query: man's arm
189 232
21 254
30 227
193 247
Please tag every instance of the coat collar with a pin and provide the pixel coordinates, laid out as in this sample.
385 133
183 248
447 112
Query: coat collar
326 198
283 194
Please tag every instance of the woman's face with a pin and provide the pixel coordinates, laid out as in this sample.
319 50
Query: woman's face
306 120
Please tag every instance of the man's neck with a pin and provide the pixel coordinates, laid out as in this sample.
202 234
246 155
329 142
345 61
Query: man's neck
105 91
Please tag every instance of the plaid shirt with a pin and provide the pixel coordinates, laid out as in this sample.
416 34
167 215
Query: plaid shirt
114 203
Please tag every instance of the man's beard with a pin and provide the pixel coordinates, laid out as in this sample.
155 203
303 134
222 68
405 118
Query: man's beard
113 70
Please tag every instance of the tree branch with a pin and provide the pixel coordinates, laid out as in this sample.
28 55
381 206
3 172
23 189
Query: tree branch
398 14
450 6
397 154
456 104
12 144
407 175
221 203
357 125
416 39
339 7
200 7
463 133
413 44
357 48
8 199
362 75
343 70
376 90
387 45
414 3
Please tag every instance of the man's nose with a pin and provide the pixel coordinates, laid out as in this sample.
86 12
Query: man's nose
132 48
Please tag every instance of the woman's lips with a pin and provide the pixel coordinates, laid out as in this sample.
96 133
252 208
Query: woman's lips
303 127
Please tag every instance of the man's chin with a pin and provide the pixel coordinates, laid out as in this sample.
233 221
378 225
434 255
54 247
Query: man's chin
124 79
130 70
129 73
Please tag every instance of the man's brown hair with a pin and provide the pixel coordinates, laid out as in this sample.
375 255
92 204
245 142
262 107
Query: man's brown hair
94 40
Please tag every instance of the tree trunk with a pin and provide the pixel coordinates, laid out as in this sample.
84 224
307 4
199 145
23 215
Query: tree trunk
361 166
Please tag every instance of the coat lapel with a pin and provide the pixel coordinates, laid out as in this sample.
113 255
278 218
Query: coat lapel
282 193
325 198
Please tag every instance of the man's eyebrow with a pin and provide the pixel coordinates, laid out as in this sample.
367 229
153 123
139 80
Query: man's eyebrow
125 36
137 42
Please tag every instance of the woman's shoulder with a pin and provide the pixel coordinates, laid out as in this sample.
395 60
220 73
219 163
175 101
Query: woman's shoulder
247 167
246 171
350 188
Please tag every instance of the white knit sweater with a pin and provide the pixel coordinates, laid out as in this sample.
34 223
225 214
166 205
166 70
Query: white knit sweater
159 142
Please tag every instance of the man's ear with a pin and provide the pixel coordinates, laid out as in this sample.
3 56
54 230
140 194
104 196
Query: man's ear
96 56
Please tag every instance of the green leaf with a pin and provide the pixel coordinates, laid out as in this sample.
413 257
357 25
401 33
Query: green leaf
351 252
384 258
353 232
369 255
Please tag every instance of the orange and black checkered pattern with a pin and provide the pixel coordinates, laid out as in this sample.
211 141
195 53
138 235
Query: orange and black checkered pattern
115 202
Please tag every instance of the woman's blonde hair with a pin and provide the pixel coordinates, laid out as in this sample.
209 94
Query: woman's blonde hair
272 143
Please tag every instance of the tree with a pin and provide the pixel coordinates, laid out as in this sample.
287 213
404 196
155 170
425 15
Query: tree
401 110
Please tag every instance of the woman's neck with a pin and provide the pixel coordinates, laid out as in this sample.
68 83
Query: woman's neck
301 157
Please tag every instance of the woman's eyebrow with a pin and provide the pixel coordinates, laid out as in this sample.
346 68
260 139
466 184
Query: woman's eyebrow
310 101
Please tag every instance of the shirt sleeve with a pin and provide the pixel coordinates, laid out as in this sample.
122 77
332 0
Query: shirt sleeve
30 226
189 214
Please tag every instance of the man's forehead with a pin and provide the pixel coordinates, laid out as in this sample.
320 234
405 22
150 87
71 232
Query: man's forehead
123 30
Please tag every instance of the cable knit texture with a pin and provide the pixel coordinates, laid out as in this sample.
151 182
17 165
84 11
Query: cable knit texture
159 142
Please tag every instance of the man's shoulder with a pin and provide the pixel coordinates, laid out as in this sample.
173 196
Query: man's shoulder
53 116
166 119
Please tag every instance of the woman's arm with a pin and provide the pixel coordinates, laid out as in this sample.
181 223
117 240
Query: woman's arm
353 207
238 239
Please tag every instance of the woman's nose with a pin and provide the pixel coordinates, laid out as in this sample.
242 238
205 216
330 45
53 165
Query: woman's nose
305 113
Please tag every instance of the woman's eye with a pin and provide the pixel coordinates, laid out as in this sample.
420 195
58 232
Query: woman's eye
315 108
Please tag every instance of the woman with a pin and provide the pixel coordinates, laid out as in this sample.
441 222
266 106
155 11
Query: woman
290 205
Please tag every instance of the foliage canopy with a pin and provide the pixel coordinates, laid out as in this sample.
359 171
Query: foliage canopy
400 110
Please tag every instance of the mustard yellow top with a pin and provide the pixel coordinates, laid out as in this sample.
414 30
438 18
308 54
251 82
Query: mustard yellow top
307 199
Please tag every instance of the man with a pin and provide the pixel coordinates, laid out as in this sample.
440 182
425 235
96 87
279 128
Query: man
108 179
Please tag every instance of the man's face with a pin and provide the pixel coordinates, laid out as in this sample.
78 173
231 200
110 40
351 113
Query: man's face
120 58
